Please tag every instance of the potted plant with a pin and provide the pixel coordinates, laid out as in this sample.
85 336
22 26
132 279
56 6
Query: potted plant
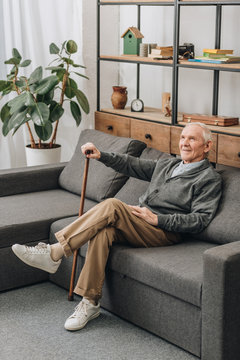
35 96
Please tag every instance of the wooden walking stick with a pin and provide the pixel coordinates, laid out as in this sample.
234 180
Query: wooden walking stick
75 254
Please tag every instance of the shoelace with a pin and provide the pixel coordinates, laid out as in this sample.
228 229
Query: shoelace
41 248
80 309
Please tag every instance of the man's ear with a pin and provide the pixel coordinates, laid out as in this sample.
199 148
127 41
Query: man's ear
208 146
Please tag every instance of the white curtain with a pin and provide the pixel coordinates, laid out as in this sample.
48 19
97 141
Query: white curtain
30 26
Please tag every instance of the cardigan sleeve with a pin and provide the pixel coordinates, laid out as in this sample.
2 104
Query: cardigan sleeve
129 165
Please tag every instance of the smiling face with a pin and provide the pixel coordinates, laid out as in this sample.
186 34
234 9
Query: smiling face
192 145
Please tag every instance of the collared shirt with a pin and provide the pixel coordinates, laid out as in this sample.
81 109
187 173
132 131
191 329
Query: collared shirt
182 168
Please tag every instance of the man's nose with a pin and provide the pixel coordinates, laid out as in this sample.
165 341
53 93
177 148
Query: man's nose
185 142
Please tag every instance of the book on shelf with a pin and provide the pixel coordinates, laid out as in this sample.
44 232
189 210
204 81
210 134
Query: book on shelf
222 60
214 56
218 51
164 47
163 52
160 57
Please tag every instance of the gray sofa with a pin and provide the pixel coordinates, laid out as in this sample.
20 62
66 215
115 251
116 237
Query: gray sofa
188 294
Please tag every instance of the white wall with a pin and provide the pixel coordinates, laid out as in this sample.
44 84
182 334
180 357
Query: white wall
195 86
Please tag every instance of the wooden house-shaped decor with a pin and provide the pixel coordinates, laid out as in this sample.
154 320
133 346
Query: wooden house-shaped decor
131 40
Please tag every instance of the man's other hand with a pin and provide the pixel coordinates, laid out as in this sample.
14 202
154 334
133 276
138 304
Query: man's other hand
145 214
94 152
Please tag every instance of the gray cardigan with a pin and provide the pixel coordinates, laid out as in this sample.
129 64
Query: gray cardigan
183 203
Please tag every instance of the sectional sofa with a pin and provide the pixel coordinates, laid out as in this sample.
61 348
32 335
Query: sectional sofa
188 294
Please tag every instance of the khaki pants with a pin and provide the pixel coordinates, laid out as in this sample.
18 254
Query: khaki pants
109 221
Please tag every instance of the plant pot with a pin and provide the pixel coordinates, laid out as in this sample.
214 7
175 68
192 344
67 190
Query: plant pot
43 156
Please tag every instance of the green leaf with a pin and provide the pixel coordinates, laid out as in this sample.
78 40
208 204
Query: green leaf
56 111
17 103
53 48
54 68
84 76
10 76
7 91
77 65
5 84
16 120
47 84
60 74
71 84
26 119
82 100
14 61
71 47
46 98
16 54
67 60
21 82
36 75
5 113
25 63
5 127
76 112
40 114
44 132
29 99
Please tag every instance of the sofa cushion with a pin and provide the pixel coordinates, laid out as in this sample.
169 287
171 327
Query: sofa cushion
225 226
176 270
27 217
134 188
103 182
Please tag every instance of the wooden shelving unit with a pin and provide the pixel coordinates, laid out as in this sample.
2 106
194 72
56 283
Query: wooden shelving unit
151 114
222 135
156 115
181 63
134 2
136 59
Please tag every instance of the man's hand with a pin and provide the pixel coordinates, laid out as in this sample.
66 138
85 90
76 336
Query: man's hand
95 153
145 214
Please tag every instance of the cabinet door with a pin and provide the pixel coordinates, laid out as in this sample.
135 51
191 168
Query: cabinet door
154 135
112 124
175 136
228 150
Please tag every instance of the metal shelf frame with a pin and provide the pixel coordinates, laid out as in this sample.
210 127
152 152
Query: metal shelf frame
175 65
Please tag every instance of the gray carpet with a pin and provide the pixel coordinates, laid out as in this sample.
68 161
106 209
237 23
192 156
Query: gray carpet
31 328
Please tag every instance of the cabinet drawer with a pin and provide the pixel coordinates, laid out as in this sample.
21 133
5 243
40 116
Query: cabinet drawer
228 150
175 136
154 135
112 124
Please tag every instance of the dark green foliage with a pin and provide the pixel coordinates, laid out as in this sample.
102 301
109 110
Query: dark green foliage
34 100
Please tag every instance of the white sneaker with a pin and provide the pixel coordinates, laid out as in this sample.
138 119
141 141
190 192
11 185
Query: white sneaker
37 256
84 312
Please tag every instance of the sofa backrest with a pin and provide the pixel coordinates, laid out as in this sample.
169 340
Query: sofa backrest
103 182
225 226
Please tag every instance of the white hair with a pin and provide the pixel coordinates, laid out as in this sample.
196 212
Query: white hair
207 134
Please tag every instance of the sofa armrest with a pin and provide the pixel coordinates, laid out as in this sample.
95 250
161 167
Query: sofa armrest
221 303
30 179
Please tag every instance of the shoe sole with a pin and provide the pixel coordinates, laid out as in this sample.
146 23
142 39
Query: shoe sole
30 264
94 316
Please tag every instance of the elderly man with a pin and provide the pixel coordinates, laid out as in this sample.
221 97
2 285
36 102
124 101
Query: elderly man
182 197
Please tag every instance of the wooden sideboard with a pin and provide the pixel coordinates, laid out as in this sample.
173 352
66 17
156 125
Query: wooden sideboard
165 137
